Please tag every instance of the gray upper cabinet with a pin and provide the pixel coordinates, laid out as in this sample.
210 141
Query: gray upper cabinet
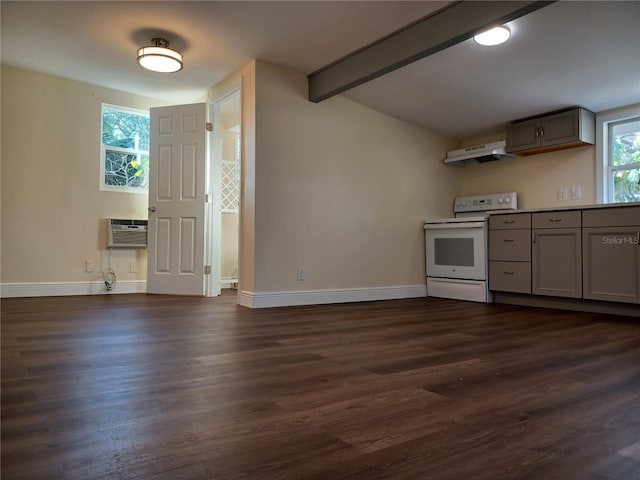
566 129
611 257
522 136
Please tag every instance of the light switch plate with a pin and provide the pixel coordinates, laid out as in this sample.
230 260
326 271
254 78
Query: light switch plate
563 194
576 192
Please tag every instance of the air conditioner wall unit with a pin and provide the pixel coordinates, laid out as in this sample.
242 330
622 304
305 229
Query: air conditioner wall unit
126 233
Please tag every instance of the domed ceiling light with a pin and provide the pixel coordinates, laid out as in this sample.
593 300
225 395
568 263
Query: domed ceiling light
493 36
159 57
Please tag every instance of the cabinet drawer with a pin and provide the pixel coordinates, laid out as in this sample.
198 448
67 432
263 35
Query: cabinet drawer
568 219
510 220
611 217
510 245
510 277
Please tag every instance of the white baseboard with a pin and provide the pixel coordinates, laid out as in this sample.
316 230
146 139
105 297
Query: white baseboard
228 282
247 299
316 297
55 289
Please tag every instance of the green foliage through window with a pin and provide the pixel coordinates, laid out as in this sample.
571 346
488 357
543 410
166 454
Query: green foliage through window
125 148
625 160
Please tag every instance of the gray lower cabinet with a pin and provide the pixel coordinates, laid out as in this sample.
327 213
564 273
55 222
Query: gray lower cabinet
611 263
557 262
510 253
590 253
556 254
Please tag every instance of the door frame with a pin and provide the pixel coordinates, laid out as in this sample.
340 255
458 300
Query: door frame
213 208
212 215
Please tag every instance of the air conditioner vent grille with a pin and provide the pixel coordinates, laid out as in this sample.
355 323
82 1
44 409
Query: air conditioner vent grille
125 233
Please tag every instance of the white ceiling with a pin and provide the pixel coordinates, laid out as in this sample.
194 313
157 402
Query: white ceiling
568 53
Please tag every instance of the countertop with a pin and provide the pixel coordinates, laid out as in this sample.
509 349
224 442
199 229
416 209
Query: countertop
572 207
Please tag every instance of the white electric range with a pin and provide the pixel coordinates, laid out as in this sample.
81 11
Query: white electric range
457 248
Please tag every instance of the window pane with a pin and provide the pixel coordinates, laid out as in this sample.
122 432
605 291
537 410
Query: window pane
626 185
124 129
626 142
126 169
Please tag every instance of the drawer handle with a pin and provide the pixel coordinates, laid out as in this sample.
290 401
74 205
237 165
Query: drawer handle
555 219
508 240
509 272
509 221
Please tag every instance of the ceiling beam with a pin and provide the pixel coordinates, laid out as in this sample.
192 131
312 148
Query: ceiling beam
449 26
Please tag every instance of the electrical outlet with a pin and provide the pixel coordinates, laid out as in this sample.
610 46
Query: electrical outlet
576 192
88 265
300 274
133 268
563 194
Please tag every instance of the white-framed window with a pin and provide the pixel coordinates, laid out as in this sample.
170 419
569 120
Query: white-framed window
618 155
124 150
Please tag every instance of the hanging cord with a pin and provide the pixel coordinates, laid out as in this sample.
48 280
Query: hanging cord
109 275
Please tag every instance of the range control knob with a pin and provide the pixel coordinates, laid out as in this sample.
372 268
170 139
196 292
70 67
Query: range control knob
501 200
508 200
464 204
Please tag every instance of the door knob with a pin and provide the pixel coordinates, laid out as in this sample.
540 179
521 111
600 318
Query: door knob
152 209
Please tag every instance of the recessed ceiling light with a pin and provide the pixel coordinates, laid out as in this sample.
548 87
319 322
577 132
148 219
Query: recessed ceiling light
159 57
493 36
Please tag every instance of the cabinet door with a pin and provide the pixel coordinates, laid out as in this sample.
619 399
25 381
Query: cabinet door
611 263
556 266
560 128
523 136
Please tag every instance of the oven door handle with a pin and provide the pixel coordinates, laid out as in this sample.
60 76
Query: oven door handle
449 226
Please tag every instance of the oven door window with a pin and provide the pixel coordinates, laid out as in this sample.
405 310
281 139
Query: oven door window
454 251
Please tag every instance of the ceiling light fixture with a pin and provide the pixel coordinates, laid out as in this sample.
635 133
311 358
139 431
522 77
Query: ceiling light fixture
159 57
493 36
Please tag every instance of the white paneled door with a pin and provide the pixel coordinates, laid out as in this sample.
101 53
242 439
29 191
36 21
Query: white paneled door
178 173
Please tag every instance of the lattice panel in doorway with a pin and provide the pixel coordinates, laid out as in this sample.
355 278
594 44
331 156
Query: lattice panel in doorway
230 186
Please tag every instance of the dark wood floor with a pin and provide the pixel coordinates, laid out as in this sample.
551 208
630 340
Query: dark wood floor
158 387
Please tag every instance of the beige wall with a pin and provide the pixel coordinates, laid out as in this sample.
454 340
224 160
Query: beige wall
335 187
536 178
341 190
52 209
230 221
229 245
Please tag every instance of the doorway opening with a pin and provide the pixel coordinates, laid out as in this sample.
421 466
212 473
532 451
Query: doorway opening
228 160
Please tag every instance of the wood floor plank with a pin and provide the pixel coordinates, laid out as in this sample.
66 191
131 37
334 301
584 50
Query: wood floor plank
162 387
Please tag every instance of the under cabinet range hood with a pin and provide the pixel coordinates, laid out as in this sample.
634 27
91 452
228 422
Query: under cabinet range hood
487 152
